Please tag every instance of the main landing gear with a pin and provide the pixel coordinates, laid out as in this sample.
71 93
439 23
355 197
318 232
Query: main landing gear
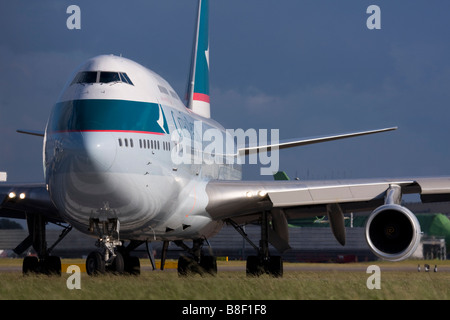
263 262
196 262
44 262
112 255
257 265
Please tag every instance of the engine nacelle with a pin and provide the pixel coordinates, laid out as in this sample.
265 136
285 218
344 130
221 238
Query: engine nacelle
393 232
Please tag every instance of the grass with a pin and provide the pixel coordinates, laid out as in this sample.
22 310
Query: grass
235 285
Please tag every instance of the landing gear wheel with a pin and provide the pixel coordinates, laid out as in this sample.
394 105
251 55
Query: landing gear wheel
187 266
118 264
209 264
30 265
254 266
95 264
276 266
182 266
132 265
52 265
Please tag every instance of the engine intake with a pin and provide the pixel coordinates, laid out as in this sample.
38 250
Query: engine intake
393 232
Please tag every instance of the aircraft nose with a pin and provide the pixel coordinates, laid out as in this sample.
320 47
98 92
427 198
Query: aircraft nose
100 149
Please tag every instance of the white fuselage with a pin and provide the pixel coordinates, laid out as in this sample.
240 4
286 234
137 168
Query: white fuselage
109 153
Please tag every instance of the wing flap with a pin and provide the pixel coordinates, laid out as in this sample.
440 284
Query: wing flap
333 192
434 185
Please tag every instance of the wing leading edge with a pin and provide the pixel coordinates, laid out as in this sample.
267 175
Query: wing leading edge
307 141
237 199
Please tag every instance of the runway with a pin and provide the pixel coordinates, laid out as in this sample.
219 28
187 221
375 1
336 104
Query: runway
413 266
15 265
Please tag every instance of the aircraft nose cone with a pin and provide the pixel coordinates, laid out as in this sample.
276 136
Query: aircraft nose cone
100 149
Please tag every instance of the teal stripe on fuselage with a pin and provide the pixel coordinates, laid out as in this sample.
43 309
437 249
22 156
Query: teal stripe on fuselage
108 115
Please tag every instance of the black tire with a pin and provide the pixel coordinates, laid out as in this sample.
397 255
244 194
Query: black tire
209 264
254 266
95 264
52 265
276 266
118 264
188 266
183 266
30 265
132 265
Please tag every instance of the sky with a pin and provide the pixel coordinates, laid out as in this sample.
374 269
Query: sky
305 67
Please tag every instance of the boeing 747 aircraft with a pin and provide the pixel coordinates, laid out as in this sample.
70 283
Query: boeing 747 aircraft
127 162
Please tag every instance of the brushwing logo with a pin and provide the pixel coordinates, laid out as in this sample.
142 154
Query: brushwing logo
162 122
207 56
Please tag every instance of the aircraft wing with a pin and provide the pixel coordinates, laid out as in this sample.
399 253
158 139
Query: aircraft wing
238 199
20 200
240 202
307 141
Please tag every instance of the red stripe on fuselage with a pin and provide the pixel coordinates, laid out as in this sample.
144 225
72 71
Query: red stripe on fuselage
143 132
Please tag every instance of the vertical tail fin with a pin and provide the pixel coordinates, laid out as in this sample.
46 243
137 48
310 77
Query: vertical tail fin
197 94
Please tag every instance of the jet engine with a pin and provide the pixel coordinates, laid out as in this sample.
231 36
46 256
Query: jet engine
393 232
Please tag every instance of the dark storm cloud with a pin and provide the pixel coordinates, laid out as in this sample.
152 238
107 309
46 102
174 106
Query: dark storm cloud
305 67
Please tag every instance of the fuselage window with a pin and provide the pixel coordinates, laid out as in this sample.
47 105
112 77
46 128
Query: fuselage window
174 95
147 144
163 90
126 142
120 142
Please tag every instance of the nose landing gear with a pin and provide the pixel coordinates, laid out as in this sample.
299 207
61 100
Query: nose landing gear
111 256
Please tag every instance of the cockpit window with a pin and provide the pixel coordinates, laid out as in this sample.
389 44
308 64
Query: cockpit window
107 77
88 77
125 78
85 77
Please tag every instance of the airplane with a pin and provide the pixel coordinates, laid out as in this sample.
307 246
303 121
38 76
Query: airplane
127 162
